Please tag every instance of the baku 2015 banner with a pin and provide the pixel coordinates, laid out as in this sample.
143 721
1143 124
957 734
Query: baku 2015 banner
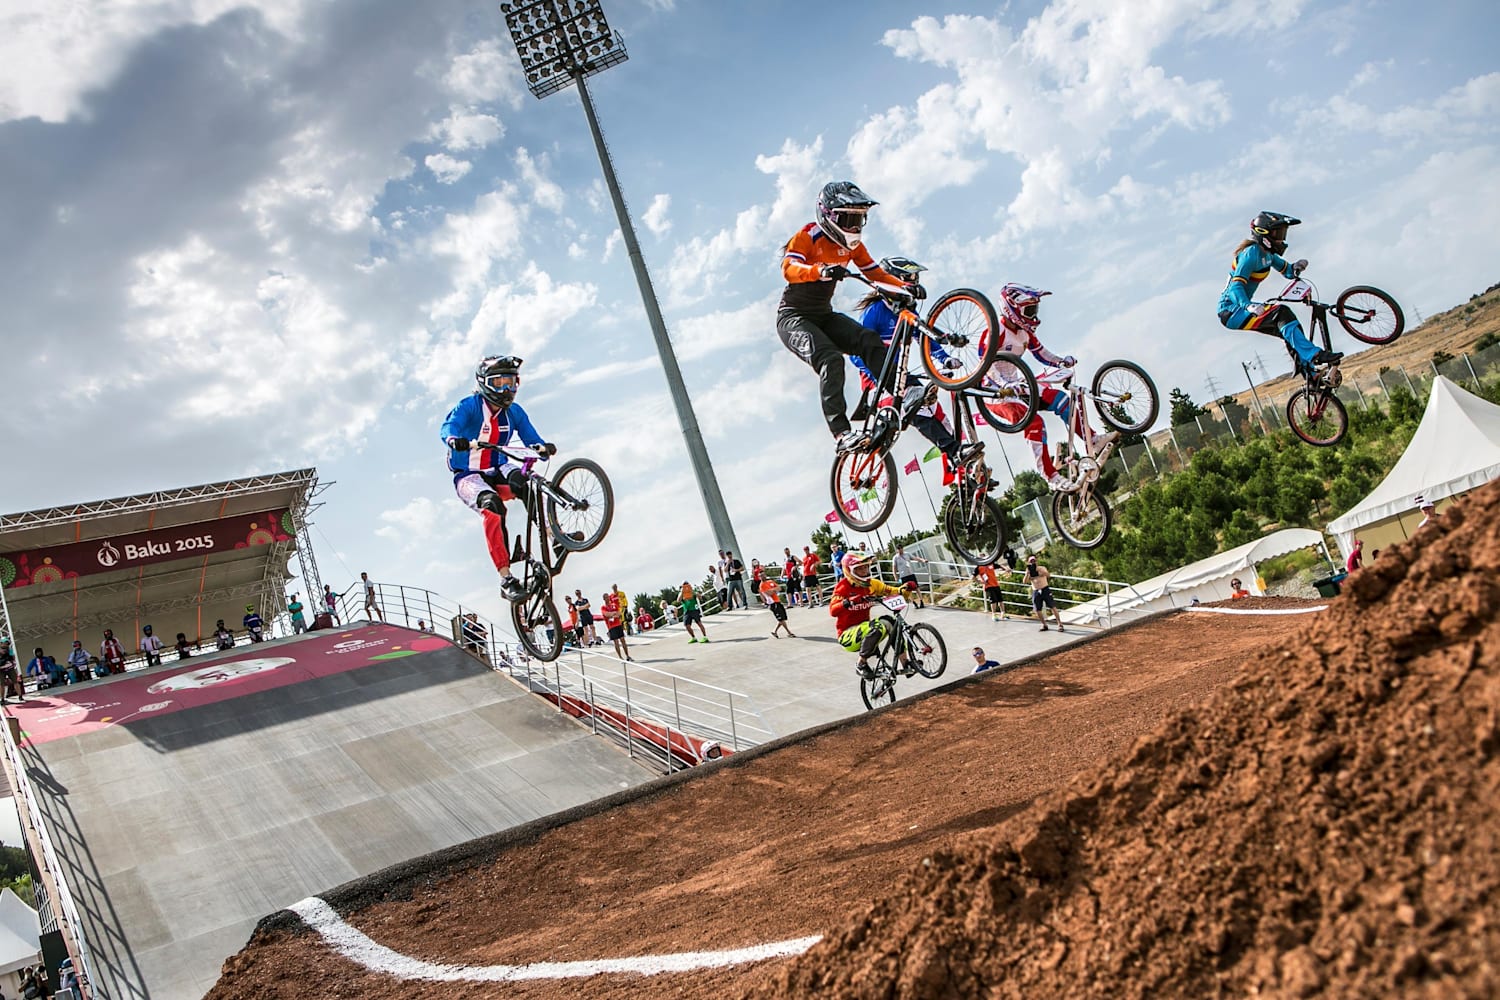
106 555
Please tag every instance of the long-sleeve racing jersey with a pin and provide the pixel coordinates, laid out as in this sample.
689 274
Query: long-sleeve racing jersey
851 602
1250 268
802 266
476 420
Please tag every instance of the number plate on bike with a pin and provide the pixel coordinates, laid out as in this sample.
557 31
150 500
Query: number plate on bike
1299 289
896 603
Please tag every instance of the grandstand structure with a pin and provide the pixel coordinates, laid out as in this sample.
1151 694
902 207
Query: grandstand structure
176 559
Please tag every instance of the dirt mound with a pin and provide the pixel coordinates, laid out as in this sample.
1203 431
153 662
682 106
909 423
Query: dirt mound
1325 825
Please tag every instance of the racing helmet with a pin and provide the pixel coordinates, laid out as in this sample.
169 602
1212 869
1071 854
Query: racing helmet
857 566
1018 307
1268 230
498 377
904 268
146 629
841 212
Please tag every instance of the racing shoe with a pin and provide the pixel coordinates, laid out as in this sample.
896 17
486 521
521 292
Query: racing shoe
511 589
850 440
1327 358
968 452
1060 483
916 397
863 669
1102 441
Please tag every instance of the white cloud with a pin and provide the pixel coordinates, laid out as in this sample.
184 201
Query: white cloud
1470 109
655 216
490 71
544 191
465 129
475 242
447 169
421 523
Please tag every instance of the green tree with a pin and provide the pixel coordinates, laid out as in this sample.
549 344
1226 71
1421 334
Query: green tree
824 539
1029 485
1441 357
1183 407
1237 414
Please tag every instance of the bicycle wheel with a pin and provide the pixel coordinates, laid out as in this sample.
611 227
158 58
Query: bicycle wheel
928 652
1317 416
1125 397
536 624
878 690
974 526
1082 520
863 485
967 322
1015 397
1366 313
581 525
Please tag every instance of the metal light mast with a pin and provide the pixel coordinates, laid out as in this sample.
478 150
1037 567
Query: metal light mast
561 42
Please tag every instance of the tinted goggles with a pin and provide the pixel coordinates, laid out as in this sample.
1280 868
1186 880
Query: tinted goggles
503 380
849 220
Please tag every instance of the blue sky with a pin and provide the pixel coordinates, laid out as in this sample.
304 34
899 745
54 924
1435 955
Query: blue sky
248 236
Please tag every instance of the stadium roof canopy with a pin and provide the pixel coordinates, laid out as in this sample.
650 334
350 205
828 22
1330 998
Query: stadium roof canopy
175 558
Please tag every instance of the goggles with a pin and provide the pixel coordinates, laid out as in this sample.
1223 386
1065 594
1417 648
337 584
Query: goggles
849 220
502 380
1029 310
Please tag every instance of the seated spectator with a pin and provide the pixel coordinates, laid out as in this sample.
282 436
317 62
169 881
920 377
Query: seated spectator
223 638
78 663
643 621
10 673
184 649
151 646
1236 591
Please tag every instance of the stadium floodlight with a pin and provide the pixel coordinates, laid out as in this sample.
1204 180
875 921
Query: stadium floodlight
562 42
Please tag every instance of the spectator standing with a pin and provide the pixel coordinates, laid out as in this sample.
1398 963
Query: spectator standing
184 648
585 618
474 635
1428 509
614 621
331 602
981 663
1041 593
370 605
906 573
299 623
623 603
770 593
838 562
111 654
736 579
690 612
757 575
721 583
151 646
572 633
1356 556
1236 590
994 597
811 588
791 575
78 663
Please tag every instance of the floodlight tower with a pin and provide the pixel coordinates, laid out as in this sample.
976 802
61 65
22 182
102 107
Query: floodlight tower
561 42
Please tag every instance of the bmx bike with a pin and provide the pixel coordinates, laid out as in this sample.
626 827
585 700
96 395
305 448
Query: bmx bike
957 352
571 512
905 651
1314 413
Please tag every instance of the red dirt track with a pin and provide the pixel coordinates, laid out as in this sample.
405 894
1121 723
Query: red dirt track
1200 805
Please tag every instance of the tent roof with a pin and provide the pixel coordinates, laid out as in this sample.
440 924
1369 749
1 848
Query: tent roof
20 932
1456 448
1231 561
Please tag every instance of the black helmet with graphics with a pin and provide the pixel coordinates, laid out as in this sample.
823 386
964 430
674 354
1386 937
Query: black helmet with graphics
904 268
498 377
842 208
1268 230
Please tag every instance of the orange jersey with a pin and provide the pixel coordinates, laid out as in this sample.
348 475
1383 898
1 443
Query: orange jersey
987 575
802 266
768 590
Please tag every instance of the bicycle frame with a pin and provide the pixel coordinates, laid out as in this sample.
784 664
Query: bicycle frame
535 515
1084 466
1300 292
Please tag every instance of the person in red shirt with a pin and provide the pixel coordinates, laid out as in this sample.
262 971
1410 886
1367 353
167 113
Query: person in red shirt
614 620
771 594
757 574
994 597
813 262
810 585
853 597
791 573
643 620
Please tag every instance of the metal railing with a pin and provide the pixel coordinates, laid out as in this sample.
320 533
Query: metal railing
953 585
635 704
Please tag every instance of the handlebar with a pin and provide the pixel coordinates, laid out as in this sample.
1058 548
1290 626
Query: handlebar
891 291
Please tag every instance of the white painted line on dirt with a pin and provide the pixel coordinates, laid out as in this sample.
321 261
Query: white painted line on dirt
355 946
1261 611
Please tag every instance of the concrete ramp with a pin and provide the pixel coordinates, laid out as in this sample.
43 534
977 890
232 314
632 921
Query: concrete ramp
190 800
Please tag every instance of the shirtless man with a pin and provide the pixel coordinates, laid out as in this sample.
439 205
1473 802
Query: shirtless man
1041 593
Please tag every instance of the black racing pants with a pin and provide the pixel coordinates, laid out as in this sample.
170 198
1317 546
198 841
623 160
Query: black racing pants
822 340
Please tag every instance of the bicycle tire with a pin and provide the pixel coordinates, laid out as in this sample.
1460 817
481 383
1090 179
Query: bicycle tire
923 634
585 481
878 690
976 531
965 313
1377 311
1113 380
1013 378
1071 516
531 617
1321 427
854 476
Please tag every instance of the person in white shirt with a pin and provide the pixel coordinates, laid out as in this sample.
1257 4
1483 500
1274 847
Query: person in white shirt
1428 509
370 604
151 646
906 573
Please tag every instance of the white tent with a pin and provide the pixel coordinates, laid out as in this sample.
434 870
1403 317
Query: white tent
1456 448
20 935
1207 579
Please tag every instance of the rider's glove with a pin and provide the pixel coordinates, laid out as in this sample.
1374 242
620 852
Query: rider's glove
458 444
1298 267
916 291
1069 361
833 272
546 449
